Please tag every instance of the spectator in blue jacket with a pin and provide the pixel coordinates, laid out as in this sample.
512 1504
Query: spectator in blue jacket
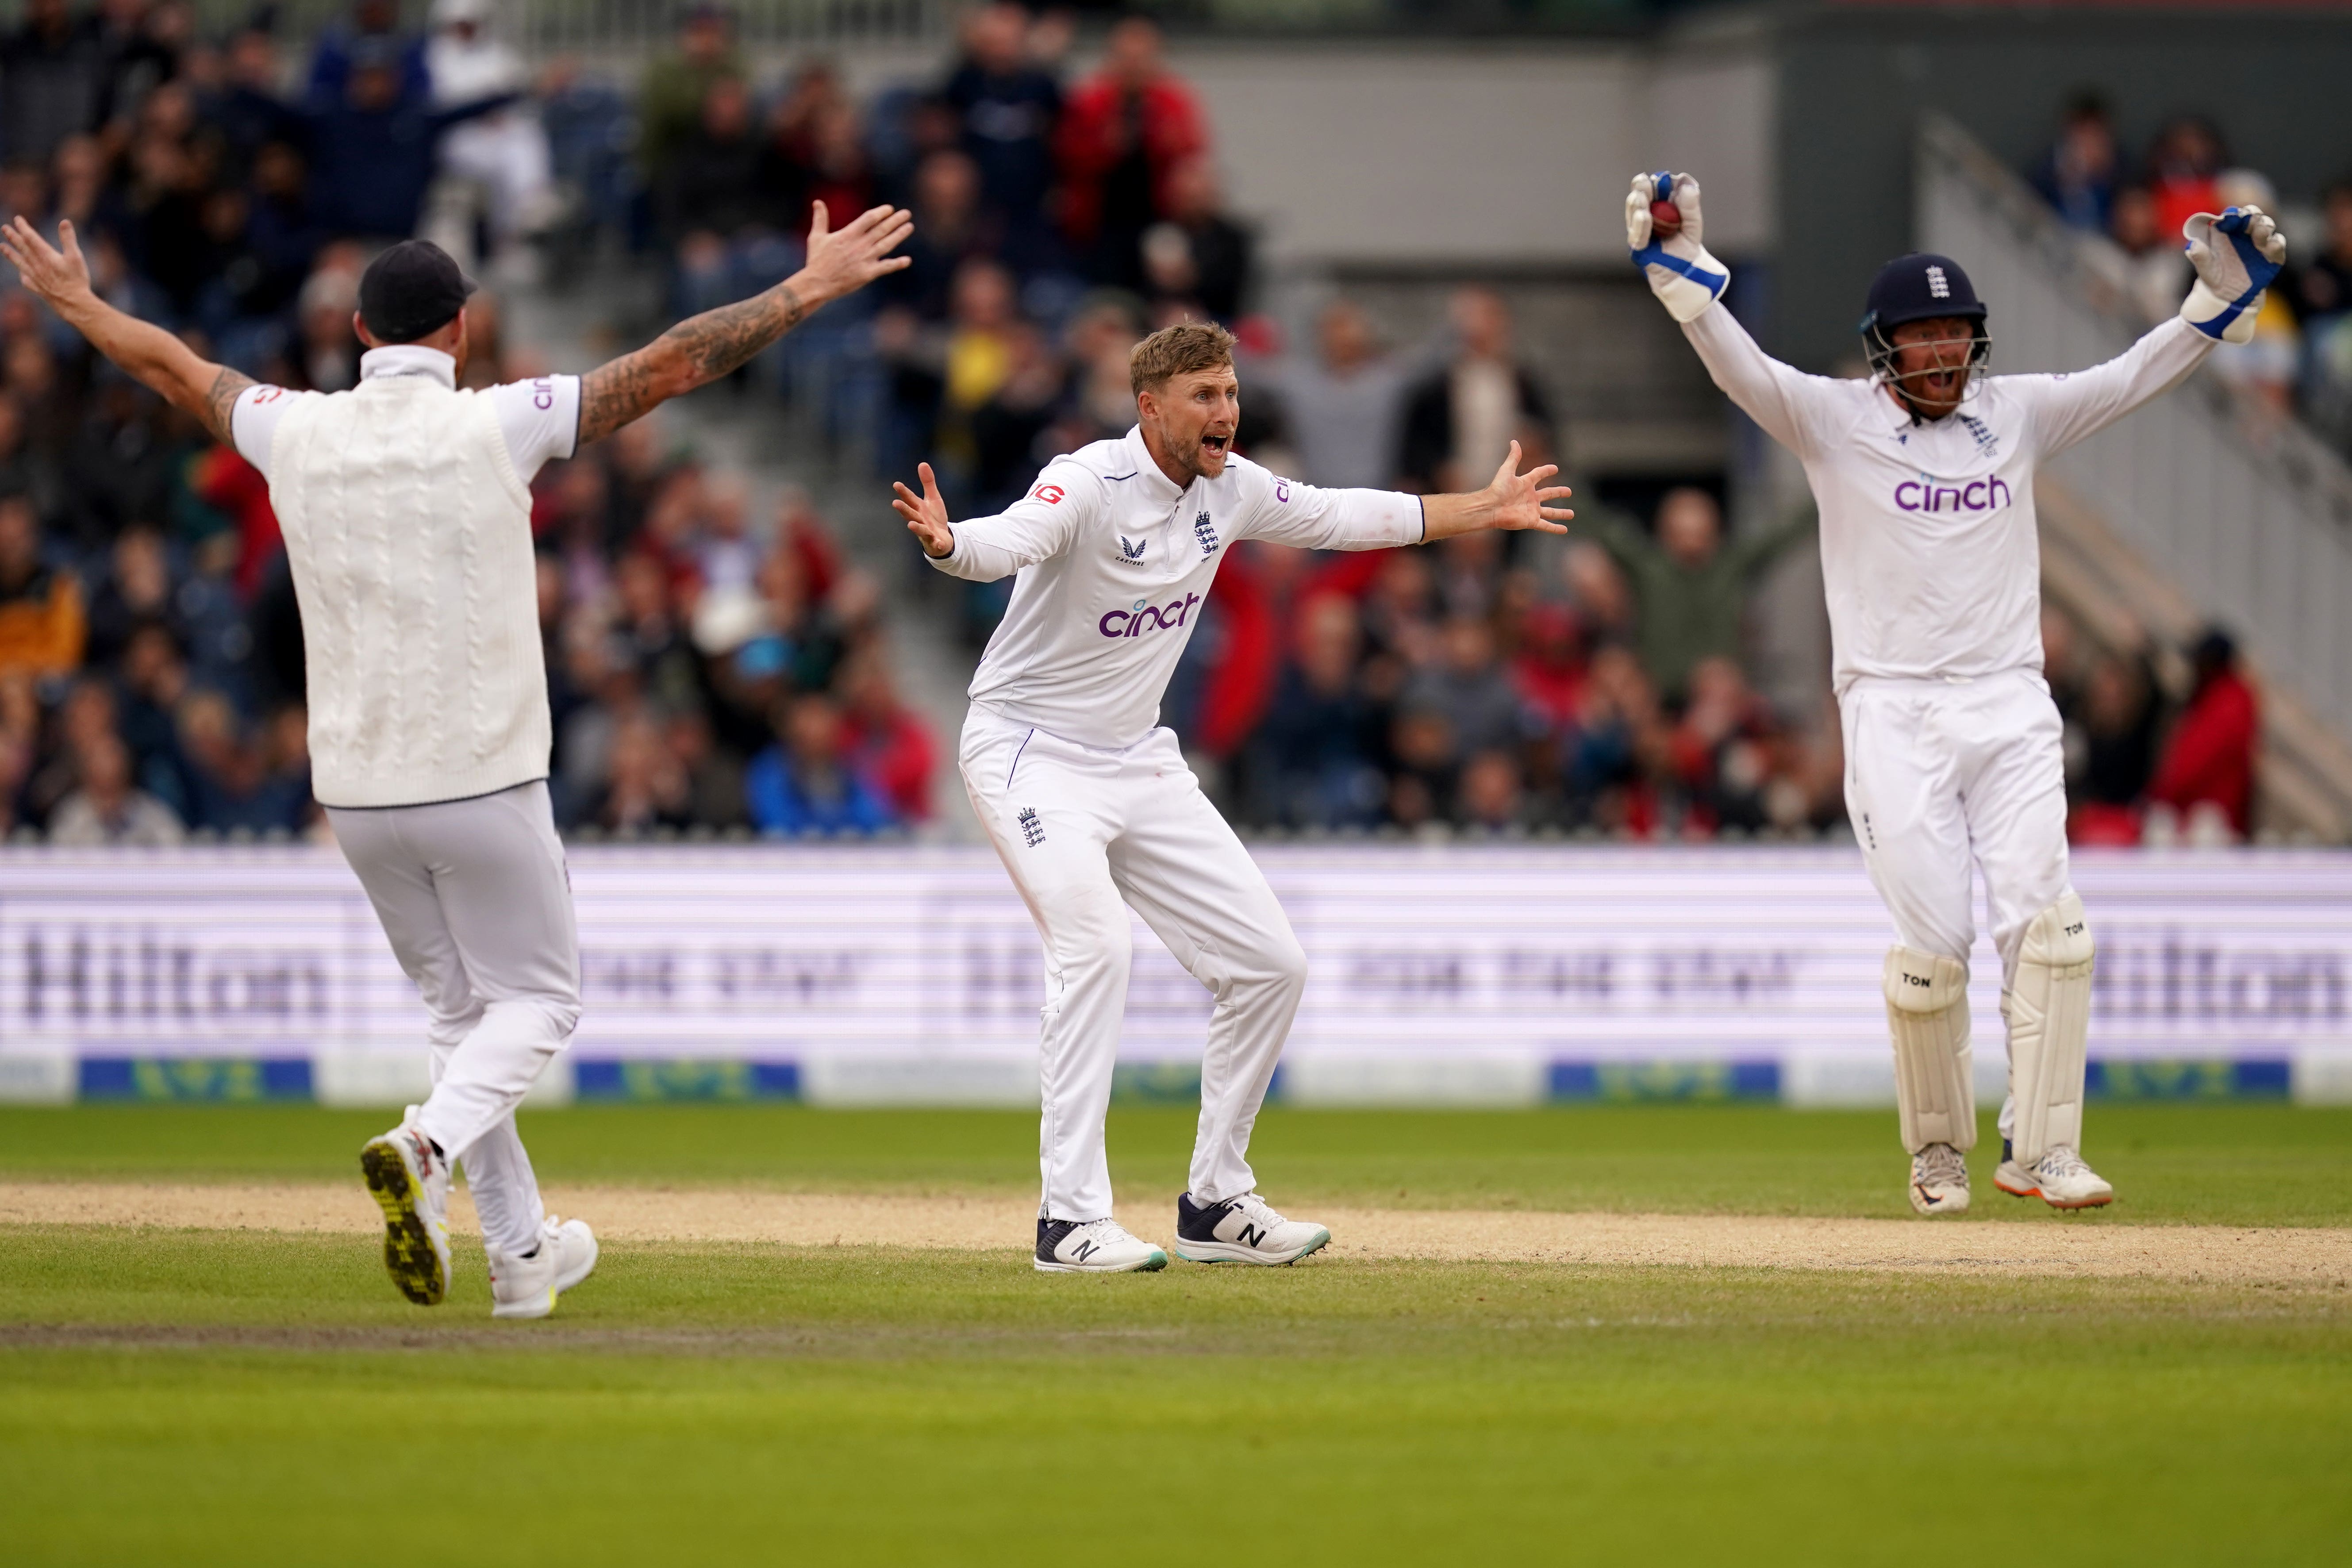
371 152
803 784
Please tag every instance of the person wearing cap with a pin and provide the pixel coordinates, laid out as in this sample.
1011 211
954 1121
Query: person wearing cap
1924 474
407 522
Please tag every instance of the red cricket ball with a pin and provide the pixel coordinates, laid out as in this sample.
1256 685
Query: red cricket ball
1665 220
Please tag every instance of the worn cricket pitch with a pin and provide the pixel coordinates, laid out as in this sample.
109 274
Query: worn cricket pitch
989 1223
1663 1334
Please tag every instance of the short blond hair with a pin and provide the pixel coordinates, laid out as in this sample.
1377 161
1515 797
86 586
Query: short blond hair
1179 350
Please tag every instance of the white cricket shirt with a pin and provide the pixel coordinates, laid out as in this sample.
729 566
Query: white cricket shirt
1114 561
1930 550
407 521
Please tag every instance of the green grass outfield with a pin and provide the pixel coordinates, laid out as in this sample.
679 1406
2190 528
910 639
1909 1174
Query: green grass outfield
204 1397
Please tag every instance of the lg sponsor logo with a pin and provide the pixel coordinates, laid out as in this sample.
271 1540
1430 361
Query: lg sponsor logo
1133 620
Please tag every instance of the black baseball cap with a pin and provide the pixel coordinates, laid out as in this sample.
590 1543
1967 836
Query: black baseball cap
411 291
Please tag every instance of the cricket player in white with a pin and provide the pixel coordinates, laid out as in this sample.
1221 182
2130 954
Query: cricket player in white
1924 474
407 529
1088 801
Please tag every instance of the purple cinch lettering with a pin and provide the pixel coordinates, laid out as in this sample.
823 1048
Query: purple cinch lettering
1968 497
1103 626
2000 493
1936 498
1905 505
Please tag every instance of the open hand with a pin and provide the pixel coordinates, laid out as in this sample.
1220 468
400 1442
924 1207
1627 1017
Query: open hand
927 514
1516 500
57 276
845 262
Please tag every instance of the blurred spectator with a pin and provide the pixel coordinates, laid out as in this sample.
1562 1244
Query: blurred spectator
1124 133
804 783
53 81
2118 719
1009 108
2181 169
885 743
372 148
1459 423
1314 761
2155 273
1690 589
2205 779
717 204
1196 260
1341 409
2322 286
2078 174
372 32
1468 685
107 808
41 622
2268 367
504 153
670 96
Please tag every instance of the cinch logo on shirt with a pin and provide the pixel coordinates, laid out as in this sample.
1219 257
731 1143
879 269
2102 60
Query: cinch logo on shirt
1131 621
1976 495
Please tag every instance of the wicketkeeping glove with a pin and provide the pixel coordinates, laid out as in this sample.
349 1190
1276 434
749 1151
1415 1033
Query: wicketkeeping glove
1684 277
2237 254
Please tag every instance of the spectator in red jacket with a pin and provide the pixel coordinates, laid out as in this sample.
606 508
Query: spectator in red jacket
2209 759
1123 136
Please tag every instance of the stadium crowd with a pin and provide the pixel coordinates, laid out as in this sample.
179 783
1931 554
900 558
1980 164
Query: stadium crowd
719 666
2130 209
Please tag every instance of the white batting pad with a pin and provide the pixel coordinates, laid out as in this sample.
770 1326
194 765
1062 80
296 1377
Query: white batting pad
1934 1083
2049 1014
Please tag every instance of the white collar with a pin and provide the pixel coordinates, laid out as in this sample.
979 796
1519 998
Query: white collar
409 359
1138 452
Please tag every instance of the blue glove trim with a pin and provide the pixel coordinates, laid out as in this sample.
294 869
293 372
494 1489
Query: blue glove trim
1654 255
2215 326
1662 186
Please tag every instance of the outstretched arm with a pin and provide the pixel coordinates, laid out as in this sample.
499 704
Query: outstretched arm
1037 527
702 349
1511 501
144 351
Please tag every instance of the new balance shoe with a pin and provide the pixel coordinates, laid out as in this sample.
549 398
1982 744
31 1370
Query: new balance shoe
1093 1247
1242 1230
525 1285
409 1179
1940 1180
2059 1178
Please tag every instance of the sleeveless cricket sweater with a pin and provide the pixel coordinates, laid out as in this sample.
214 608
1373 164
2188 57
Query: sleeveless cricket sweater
408 532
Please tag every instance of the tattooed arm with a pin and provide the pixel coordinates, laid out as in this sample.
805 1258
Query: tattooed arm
146 352
702 349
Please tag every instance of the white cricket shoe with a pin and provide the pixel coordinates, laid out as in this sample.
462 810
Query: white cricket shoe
527 1286
1242 1230
1940 1180
2059 1178
1093 1247
409 1179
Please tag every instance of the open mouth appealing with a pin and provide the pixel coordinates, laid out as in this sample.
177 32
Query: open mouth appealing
1215 444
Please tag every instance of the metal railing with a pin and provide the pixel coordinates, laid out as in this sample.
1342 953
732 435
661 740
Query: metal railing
2249 514
542 28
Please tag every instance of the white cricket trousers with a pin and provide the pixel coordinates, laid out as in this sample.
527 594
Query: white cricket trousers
1944 775
477 904
1087 834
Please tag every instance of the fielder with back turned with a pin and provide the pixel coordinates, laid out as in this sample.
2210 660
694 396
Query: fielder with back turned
1924 473
407 524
